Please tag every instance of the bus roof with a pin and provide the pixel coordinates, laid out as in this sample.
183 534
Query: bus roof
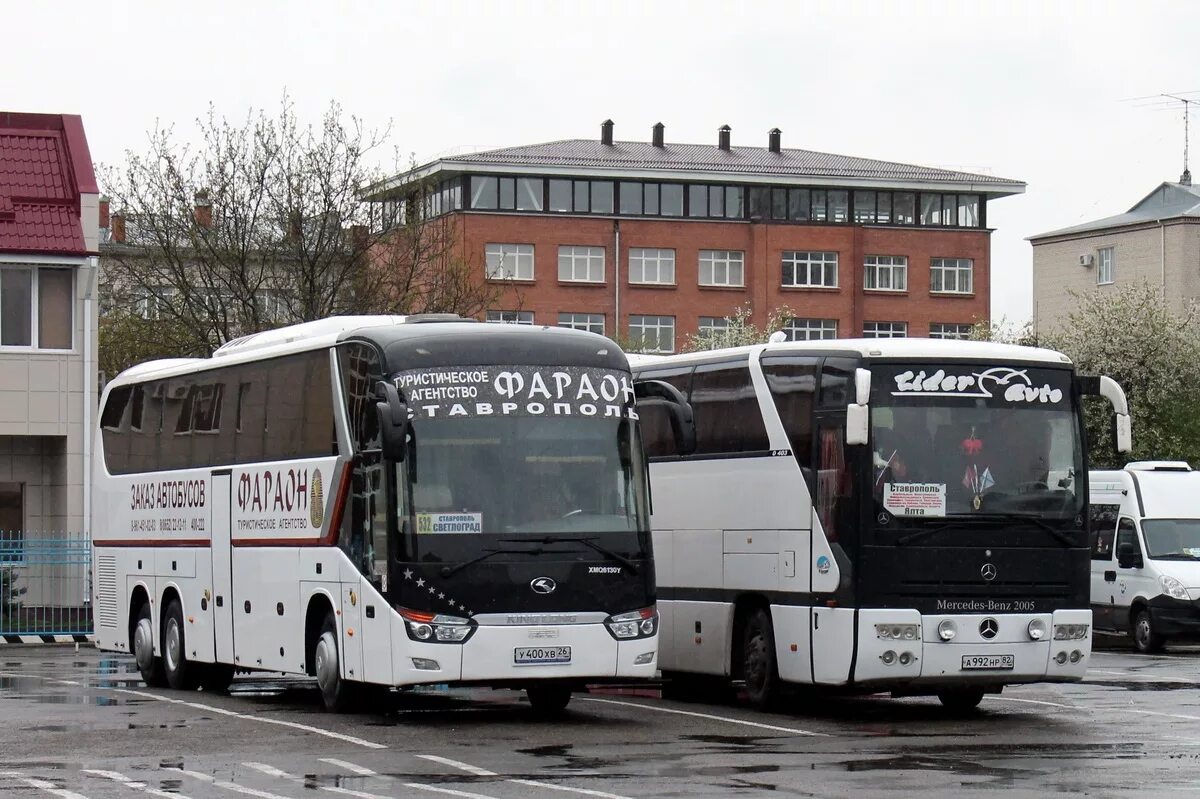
386 331
886 348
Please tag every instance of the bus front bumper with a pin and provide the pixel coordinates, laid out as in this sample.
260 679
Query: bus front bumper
985 649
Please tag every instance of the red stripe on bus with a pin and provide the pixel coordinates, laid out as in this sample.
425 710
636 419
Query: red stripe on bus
279 542
339 505
156 542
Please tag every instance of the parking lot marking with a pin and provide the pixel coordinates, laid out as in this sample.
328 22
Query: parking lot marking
229 786
1037 702
482 772
117 776
274 772
711 717
351 767
42 785
1164 715
1139 675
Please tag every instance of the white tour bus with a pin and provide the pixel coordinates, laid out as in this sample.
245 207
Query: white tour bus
903 515
1146 552
378 500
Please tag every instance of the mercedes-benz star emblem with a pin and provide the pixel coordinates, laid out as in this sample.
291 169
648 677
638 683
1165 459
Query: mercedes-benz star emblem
988 628
543 585
988 571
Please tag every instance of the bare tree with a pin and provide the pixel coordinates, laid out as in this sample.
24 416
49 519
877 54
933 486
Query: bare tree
261 224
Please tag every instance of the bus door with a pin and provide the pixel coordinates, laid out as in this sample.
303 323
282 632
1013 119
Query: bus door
222 571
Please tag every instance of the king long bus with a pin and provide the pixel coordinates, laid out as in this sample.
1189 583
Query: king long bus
378 501
904 516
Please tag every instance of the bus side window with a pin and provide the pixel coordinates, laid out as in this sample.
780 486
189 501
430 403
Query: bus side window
657 436
360 371
793 383
114 425
251 413
728 418
836 382
318 436
175 445
285 408
1103 528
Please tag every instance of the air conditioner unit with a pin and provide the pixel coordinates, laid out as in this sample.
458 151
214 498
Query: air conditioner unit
1087 259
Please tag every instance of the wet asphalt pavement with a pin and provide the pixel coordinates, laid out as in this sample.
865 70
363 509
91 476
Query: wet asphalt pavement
81 724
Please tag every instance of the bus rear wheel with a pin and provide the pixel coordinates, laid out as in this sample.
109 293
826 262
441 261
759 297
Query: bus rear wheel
336 694
759 668
548 698
149 665
180 674
961 700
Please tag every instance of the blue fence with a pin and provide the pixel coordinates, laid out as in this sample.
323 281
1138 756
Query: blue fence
45 584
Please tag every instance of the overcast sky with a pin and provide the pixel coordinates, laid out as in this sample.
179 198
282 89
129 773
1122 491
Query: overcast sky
1029 90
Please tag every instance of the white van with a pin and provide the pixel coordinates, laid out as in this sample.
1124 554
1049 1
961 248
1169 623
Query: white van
1145 528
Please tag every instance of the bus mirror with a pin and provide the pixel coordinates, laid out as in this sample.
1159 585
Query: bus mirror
1124 433
683 425
857 423
1111 390
393 421
862 386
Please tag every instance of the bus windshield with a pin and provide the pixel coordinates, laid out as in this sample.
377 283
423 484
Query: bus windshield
973 440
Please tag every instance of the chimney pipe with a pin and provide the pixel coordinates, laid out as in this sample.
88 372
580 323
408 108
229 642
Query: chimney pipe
723 137
203 209
606 131
105 217
118 228
657 134
773 137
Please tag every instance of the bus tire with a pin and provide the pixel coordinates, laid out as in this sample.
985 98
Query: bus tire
149 665
759 668
548 698
1145 638
179 673
961 700
215 678
336 694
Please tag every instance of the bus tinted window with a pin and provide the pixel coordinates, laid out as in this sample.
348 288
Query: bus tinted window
837 376
360 371
728 418
793 384
657 437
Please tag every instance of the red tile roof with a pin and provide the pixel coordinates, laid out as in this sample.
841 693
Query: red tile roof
45 166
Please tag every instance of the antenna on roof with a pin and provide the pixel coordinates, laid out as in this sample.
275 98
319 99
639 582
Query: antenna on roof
1186 177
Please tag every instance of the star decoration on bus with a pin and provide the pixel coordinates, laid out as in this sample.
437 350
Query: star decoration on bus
408 574
420 582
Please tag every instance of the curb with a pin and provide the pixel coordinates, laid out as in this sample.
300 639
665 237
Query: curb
46 639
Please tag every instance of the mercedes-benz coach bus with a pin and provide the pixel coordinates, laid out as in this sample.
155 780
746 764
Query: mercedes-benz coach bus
378 501
901 515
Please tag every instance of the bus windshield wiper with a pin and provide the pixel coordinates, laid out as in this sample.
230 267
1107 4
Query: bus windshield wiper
487 553
587 542
975 518
1036 521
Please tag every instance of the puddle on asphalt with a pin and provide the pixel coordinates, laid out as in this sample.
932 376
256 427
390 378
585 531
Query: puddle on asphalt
1147 685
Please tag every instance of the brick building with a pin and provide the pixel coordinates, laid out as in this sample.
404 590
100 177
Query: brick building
1157 241
656 241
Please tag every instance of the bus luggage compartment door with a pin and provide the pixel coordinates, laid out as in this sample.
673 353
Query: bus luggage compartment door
222 571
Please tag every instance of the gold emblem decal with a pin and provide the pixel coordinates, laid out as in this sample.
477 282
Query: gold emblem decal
316 500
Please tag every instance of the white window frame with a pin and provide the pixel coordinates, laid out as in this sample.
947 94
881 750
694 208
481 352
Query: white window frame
500 253
885 330
725 268
572 258
891 270
659 324
712 325
957 331
809 259
35 303
961 270
591 322
643 259
1104 266
510 317
801 329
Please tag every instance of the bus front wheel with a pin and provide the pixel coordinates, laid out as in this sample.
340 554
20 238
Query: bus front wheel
759 668
150 666
336 693
548 699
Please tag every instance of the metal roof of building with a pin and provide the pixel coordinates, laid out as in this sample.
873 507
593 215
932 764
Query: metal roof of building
45 166
1168 201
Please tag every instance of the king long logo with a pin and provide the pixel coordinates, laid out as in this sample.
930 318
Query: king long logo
1013 384
316 500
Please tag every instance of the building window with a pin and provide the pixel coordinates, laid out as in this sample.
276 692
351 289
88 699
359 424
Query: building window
722 268
529 194
560 196
711 326
652 333
839 205
817 269
631 198
952 330
12 522
484 192
156 303
904 207
509 261
649 265
885 330
510 317
886 273
952 276
810 329
1104 269
591 322
37 307
671 196
581 264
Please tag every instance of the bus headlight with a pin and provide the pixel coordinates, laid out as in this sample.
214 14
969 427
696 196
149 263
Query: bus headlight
641 623
897 632
1070 632
436 628
1036 629
947 629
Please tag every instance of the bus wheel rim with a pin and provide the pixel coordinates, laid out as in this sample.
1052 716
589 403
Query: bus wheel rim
326 662
172 645
143 644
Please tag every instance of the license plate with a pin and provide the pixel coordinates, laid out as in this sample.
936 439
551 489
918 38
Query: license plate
541 655
988 662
